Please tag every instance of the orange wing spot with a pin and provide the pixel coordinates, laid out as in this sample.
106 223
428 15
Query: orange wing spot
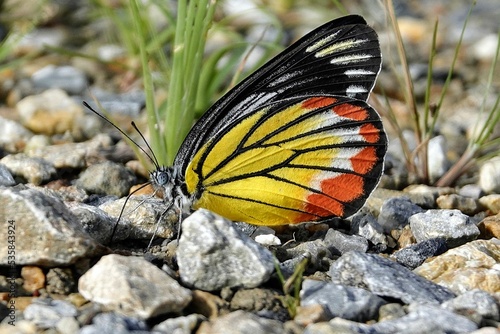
345 187
364 161
319 205
351 111
318 102
336 191
370 133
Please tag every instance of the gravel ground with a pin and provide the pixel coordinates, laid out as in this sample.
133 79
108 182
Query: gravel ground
415 259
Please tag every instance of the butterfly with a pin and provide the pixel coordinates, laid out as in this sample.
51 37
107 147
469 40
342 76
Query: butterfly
294 142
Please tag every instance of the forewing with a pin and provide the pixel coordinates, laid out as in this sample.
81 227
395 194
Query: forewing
341 57
294 160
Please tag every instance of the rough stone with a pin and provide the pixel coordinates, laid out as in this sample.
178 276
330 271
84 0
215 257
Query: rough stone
241 322
452 225
339 243
33 170
395 212
212 254
414 255
470 266
341 301
386 278
133 286
46 232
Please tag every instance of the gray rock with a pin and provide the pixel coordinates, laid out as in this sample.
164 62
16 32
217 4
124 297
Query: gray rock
489 176
46 313
425 196
71 155
414 255
466 205
424 319
341 301
337 326
67 325
472 191
51 112
267 303
67 78
212 254
33 170
421 319
477 301
438 162
339 243
452 225
288 267
13 135
112 323
6 178
367 226
391 311
60 281
179 325
107 178
315 250
386 278
395 212
130 103
142 218
46 232
241 322
133 286
94 221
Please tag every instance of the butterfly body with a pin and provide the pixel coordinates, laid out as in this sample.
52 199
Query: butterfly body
295 141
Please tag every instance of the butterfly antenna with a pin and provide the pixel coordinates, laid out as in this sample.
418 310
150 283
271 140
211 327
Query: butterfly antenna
157 164
154 161
123 209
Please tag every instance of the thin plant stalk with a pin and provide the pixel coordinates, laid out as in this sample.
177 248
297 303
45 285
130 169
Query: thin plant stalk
193 20
481 138
153 117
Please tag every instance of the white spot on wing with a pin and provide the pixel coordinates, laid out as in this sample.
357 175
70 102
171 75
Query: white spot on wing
353 90
322 42
356 73
350 59
340 46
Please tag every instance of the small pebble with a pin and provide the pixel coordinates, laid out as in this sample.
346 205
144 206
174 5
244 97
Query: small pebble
34 170
46 313
239 322
339 243
6 178
395 212
13 136
466 205
489 176
51 112
452 225
34 278
414 255
67 78
477 301
341 301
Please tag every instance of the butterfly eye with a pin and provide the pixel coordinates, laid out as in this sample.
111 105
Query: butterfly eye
160 177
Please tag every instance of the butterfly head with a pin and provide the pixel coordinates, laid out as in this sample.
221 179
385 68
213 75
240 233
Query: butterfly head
162 180
168 181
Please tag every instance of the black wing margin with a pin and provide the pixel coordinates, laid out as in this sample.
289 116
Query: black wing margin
341 57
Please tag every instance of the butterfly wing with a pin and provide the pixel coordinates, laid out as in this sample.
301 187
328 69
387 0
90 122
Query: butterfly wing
294 160
341 57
